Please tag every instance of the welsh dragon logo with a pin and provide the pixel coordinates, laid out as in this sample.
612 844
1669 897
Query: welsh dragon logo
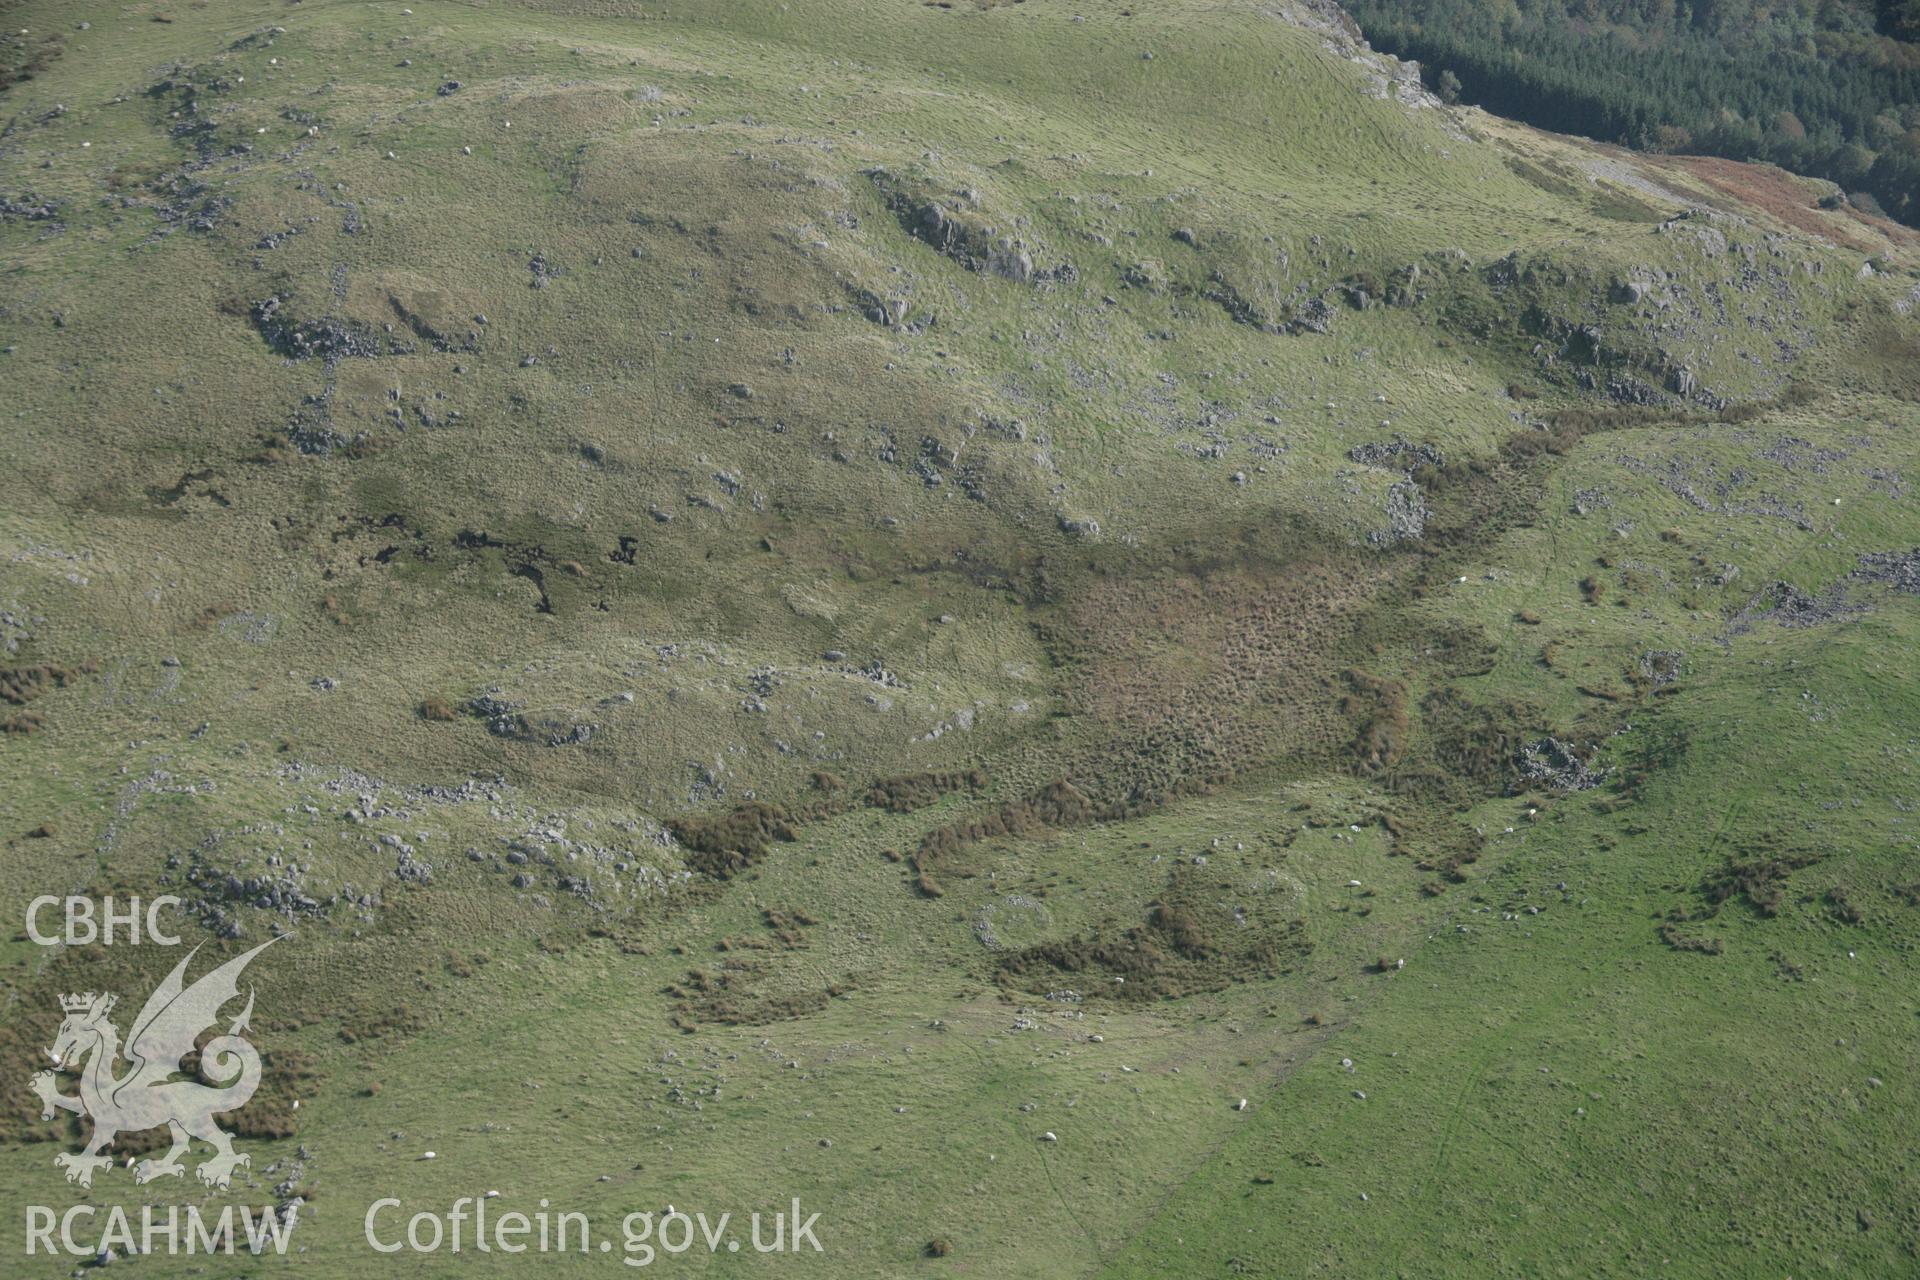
151 1092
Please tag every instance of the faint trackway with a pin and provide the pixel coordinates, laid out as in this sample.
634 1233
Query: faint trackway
1283 1072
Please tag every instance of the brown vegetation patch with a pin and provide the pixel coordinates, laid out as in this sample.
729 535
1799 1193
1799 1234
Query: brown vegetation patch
1195 937
1057 805
1197 674
1468 746
1380 706
732 995
21 685
909 791
1436 843
1680 940
377 1024
287 1073
1785 198
1757 878
723 845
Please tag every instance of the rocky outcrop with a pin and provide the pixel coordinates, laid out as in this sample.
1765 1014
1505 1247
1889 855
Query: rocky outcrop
954 225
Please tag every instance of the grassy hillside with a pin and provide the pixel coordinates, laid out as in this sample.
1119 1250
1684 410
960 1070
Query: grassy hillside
787 600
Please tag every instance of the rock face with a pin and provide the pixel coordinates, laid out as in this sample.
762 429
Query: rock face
954 225
1708 309
1789 606
1632 292
1088 528
503 718
1398 455
1010 259
1555 764
1313 316
1406 515
325 338
1898 569
29 208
